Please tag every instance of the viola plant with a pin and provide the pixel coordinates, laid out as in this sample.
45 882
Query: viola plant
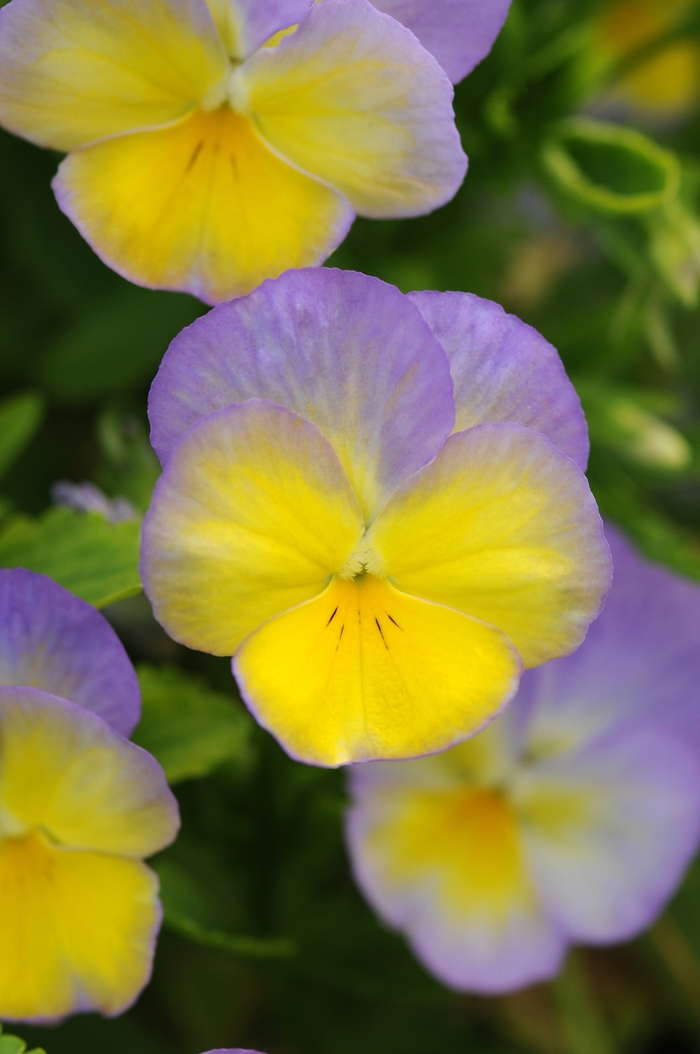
80 808
571 819
214 143
375 503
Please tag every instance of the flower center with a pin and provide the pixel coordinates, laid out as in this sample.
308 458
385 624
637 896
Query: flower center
230 91
364 560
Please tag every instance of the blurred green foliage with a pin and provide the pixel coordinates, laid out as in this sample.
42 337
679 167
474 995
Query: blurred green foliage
584 221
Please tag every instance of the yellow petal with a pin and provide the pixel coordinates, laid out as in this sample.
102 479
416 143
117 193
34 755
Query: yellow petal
353 98
76 930
464 842
204 207
251 517
364 671
62 769
74 71
502 526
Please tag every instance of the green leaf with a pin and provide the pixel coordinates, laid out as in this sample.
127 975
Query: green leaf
182 905
91 557
15 1045
187 726
20 417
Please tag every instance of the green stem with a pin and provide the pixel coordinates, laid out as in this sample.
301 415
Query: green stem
580 1014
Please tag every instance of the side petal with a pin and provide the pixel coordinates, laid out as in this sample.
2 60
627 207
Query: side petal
354 99
447 868
459 33
502 526
251 516
245 25
610 831
203 207
343 350
77 930
504 370
64 771
364 672
73 71
52 640
641 658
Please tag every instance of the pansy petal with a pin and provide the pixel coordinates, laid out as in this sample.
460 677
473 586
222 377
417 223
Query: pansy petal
52 640
353 98
343 350
502 526
459 33
74 71
504 370
77 930
446 866
365 672
245 25
610 830
65 771
641 658
251 516
203 207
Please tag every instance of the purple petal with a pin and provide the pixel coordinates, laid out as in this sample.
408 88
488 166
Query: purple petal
459 33
504 370
258 20
52 640
641 657
606 870
345 351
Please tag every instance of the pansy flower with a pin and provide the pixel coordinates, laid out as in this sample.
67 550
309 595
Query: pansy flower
214 143
80 807
569 820
374 503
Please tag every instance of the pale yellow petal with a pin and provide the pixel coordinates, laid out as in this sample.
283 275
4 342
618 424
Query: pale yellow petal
502 526
251 517
74 71
353 98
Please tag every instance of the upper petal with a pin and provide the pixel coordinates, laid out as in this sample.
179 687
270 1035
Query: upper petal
251 516
77 930
459 33
641 657
245 25
447 867
343 350
202 206
66 772
610 830
50 639
353 98
73 71
364 672
503 526
504 370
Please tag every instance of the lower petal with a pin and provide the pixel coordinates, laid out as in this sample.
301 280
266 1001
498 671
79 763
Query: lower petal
77 930
364 672
202 206
446 866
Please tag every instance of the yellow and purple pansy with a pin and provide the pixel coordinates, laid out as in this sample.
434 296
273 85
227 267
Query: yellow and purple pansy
569 820
376 504
80 808
214 143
